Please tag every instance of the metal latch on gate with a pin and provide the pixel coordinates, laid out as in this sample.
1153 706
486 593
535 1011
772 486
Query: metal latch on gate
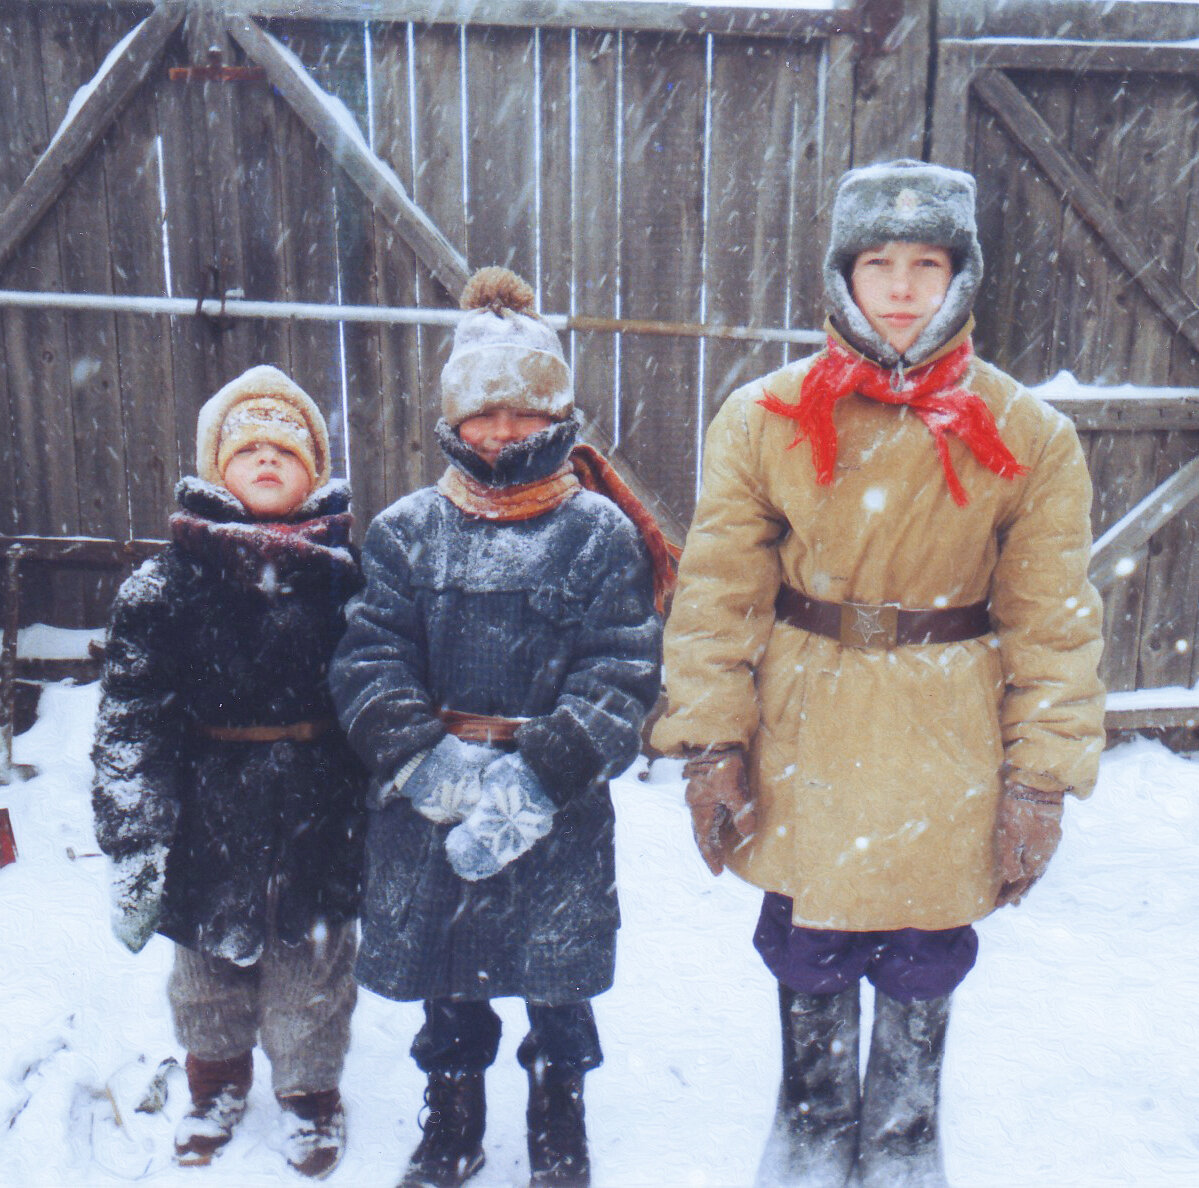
216 71
216 292
878 27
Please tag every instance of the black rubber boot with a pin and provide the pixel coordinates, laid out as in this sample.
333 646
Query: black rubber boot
814 1136
558 1152
451 1149
899 1145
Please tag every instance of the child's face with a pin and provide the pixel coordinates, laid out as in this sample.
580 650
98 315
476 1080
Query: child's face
488 433
270 481
899 286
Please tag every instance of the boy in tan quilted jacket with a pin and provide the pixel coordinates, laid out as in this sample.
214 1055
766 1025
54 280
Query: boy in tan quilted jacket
881 665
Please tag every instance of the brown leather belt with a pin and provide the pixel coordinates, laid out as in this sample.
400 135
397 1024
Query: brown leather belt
859 625
489 729
293 732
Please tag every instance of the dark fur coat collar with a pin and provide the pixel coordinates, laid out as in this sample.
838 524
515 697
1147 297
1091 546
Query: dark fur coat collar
212 526
537 457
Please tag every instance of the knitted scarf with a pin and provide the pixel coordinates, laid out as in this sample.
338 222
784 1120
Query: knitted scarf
931 392
262 554
585 469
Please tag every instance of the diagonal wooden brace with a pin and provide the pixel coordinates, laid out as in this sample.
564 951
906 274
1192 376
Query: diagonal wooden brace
1079 187
327 120
1116 552
123 71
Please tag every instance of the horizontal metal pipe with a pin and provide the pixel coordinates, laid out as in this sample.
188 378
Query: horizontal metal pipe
300 311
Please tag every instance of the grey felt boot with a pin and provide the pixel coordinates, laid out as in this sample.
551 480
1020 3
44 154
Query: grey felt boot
899 1145
814 1136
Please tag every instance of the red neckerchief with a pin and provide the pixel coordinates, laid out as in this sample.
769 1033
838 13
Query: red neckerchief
930 391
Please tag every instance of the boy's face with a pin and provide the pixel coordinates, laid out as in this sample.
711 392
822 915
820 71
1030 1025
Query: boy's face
270 481
899 286
487 433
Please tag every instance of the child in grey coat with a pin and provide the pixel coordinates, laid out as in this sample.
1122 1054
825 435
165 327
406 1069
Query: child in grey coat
495 672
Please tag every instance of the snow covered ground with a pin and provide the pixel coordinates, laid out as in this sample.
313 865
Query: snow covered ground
1073 1051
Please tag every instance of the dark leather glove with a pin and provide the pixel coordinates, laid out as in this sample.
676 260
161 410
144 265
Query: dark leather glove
1028 827
722 813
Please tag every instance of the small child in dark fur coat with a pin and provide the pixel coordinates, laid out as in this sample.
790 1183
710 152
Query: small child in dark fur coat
225 794
495 672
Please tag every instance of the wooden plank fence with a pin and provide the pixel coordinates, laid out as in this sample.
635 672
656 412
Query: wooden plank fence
662 173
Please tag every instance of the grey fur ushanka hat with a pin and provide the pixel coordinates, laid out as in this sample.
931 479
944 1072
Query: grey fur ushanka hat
914 202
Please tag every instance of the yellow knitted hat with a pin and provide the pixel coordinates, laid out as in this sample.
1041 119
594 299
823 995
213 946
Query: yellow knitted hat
261 404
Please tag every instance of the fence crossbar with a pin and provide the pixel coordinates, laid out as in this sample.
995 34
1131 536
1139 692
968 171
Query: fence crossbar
300 311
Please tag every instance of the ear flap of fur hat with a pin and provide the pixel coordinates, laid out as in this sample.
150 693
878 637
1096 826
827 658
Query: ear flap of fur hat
504 354
907 201
261 404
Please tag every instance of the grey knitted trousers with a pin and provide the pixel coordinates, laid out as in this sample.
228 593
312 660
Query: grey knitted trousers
296 999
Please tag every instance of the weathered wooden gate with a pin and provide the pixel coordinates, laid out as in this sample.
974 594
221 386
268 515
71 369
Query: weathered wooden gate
1084 137
307 182
639 163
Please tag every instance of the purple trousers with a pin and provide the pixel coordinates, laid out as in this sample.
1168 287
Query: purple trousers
906 964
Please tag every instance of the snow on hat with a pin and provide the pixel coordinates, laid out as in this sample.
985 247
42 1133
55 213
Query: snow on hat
261 404
914 202
504 354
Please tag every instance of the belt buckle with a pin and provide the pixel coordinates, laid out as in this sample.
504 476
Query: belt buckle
866 626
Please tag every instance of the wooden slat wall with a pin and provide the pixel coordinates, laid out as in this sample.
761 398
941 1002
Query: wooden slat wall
1058 299
612 221
656 175
64 392
621 190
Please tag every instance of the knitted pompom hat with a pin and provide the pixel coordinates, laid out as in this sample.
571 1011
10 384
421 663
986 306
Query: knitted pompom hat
913 202
504 354
261 404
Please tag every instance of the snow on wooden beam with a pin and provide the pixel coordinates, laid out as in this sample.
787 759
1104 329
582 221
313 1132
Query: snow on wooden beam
1078 57
770 19
1081 190
85 551
230 308
1152 709
89 116
1116 552
332 124
1121 407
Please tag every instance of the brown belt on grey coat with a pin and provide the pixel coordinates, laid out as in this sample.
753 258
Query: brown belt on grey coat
292 732
861 625
489 729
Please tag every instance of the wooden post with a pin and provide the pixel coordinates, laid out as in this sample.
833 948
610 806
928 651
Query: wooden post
951 103
10 772
891 103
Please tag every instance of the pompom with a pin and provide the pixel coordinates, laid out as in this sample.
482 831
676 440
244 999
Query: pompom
498 289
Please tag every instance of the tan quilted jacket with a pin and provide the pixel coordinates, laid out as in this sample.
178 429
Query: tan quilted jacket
877 772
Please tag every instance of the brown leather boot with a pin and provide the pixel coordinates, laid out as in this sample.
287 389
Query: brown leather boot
557 1131
451 1149
218 1092
316 1138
